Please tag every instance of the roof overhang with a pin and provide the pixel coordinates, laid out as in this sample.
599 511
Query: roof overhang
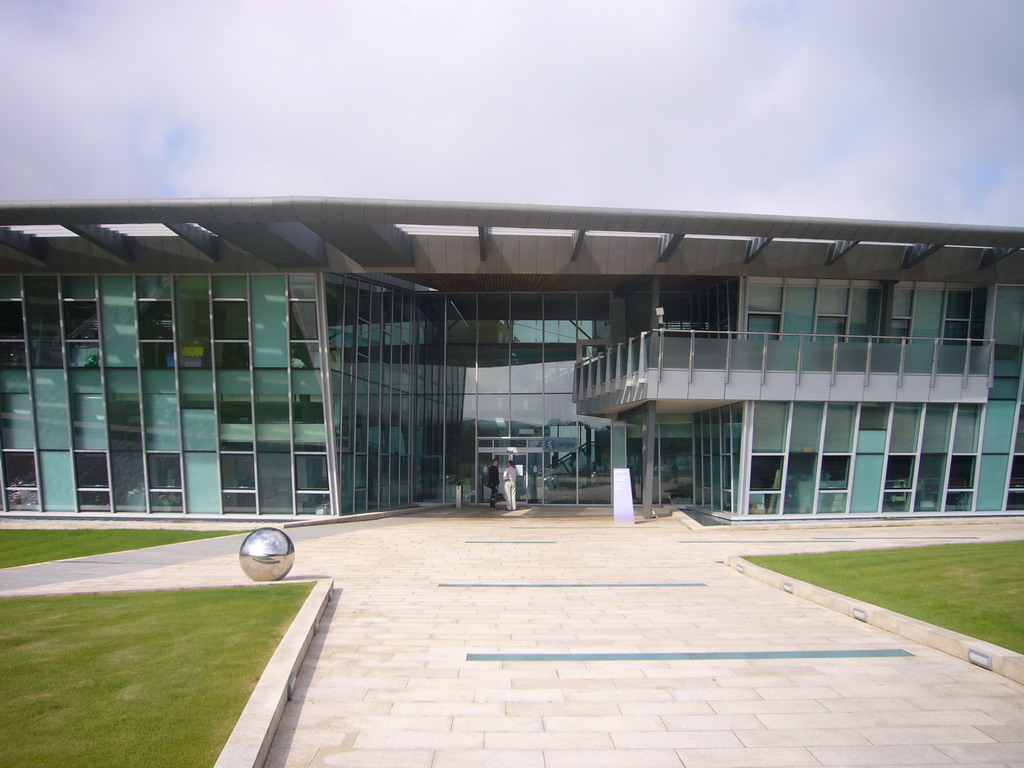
389 236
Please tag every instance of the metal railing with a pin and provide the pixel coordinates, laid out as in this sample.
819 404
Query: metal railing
653 352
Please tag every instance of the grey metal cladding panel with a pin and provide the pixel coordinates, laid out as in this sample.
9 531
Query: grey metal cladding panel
537 219
201 212
375 213
636 223
501 217
396 214
561 220
260 211
307 209
282 209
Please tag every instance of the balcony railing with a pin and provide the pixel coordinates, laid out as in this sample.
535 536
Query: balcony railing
726 352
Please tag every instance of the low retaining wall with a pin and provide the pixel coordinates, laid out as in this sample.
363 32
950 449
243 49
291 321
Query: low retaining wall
249 742
1000 660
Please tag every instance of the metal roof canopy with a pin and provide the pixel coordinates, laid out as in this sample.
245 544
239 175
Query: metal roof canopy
291 232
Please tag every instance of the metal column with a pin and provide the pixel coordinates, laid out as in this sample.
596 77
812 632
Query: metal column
649 455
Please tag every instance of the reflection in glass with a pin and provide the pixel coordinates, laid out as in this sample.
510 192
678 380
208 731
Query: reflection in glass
20 469
91 469
237 471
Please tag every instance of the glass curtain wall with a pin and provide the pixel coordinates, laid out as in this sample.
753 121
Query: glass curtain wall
834 458
373 336
500 376
163 394
717 440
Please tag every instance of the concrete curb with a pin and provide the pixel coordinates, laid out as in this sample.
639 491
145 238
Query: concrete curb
1000 660
249 742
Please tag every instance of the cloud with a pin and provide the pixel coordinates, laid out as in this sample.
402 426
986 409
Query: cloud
868 109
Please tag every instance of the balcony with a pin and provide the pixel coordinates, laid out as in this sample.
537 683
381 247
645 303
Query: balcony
692 370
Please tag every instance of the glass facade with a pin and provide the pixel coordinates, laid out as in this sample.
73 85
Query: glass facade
316 394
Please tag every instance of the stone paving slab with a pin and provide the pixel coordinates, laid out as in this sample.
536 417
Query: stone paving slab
387 681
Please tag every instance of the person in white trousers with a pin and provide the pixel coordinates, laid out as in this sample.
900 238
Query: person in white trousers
509 476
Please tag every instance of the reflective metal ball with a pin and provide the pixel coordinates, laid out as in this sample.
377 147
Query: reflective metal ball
267 554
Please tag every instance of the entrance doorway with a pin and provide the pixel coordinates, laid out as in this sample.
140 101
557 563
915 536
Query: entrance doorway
528 461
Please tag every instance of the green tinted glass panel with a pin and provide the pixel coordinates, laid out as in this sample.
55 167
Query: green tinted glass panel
16 421
992 482
14 381
58 481
231 320
806 428
871 441
275 483
196 389
161 422
159 382
864 306
51 399
928 314
769 427
271 396
230 287
935 436
84 381
904 428
200 429
1007 332
90 422
79 287
43 316
202 484
117 317
154 286
233 383
764 298
193 321
798 316
998 426
867 482
10 288
269 322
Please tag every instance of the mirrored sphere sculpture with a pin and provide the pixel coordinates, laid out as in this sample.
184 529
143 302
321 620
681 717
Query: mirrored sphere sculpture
267 554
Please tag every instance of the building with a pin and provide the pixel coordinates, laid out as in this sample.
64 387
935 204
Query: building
318 356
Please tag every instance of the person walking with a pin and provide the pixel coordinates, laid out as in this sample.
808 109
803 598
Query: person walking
492 482
510 475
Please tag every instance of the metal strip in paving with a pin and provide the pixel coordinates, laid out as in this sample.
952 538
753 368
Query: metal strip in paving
569 586
511 541
708 656
827 540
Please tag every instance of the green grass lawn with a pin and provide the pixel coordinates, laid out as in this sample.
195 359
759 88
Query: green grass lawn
21 547
133 679
975 589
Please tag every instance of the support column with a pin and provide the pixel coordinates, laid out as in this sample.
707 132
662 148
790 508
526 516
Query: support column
649 455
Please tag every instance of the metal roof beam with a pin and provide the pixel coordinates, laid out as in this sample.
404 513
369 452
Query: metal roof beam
117 245
577 243
669 244
915 254
992 256
838 249
754 247
285 244
199 238
482 235
29 245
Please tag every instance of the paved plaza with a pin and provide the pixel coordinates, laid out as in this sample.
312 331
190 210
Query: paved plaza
555 638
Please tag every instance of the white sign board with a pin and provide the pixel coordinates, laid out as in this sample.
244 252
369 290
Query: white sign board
622 495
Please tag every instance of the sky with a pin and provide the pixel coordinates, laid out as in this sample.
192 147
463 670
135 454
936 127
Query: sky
874 109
